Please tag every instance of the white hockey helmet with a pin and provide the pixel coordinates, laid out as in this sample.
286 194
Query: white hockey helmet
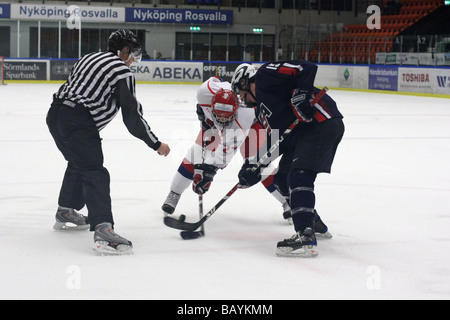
225 105
243 75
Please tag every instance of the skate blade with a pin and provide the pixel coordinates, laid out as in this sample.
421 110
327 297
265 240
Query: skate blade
304 252
67 226
325 235
104 249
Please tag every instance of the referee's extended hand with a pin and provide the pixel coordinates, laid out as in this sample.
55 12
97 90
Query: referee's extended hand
163 149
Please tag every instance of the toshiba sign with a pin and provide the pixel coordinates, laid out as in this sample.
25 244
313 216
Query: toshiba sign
415 79
425 80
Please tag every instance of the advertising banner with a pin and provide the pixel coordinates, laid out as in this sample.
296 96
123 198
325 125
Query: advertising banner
391 58
4 11
415 80
383 78
170 71
25 70
188 16
441 81
64 12
427 59
60 69
410 58
221 70
398 58
345 76
423 59
442 59
426 80
380 58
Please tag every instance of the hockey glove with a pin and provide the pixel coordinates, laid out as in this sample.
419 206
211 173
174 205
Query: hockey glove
206 123
249 175
301 105
203 176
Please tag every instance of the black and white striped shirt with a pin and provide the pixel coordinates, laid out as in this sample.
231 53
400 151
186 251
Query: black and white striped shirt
103 83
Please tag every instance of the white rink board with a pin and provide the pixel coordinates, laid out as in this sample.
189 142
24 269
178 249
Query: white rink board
386 203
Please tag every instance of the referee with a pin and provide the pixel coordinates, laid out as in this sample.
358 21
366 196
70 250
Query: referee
99 84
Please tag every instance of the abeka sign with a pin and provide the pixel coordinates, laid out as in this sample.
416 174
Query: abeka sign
168 71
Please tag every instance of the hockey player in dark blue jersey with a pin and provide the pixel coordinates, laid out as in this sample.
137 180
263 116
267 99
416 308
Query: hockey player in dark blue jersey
282 92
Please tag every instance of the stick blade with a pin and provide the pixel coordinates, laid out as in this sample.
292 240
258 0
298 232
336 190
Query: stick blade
191 235
180 225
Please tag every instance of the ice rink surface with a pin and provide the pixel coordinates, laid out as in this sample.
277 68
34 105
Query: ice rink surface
386 203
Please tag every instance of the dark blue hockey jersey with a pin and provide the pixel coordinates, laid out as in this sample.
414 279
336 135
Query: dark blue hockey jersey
275 83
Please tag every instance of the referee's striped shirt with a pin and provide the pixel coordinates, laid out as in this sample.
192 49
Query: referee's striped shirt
94 83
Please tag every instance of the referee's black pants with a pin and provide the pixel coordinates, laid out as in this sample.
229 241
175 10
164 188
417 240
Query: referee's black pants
86 181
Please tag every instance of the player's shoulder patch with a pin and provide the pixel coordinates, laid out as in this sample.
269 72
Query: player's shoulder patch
285 68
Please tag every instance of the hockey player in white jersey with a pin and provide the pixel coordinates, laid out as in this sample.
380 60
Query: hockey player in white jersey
226 127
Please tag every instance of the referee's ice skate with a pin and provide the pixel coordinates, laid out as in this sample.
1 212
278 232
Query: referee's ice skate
70 219
107 242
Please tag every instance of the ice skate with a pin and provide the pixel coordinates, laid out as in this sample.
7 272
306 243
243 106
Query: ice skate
171 202
107 242
70 219
302 244
321 228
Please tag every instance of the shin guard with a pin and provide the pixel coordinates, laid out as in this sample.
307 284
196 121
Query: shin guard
302 198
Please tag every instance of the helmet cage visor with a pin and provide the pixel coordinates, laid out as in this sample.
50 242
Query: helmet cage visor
223 113
135 52
241 85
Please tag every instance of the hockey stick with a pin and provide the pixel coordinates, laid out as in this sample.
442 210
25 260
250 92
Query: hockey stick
187 226
190 235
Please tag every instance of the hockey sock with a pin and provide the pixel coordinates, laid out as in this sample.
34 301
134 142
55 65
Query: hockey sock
302 198
183 177
270 186
281 184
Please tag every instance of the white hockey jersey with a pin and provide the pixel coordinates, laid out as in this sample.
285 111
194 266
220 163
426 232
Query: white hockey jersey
225 143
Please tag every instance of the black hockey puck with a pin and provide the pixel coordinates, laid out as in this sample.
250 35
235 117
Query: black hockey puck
182 218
